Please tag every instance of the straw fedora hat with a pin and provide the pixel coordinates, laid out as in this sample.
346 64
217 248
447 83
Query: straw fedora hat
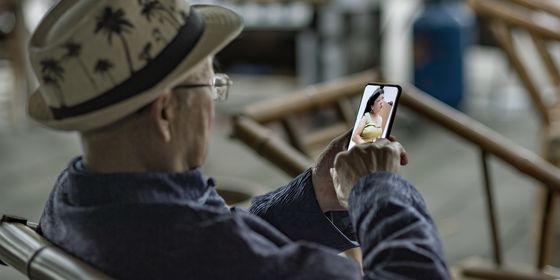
100 60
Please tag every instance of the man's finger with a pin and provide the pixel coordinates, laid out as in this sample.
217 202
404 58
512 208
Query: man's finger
404 157
402 153
380 142
339 159
342 140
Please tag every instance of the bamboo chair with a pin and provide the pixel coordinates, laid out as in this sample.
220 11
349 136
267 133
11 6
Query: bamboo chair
253 127
32 255
520 16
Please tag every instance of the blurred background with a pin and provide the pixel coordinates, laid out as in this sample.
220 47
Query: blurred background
441 46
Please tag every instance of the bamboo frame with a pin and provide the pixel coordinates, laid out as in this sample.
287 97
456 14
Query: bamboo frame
488 140
472 131
539 5
271 110
499 10
34 256
313 97
283 108
491 209
269 146
504 18
503 36
546 57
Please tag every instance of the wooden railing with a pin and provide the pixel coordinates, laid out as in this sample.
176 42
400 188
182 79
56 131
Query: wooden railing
249 127
508 19
506 16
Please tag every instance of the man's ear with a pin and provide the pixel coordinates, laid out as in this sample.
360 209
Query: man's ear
161 115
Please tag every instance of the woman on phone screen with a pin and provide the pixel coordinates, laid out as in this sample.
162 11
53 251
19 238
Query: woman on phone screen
370 126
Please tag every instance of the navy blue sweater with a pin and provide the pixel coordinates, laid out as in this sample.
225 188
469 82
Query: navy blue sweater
175 226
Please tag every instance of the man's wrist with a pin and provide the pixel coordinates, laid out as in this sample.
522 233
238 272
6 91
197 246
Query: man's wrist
325 193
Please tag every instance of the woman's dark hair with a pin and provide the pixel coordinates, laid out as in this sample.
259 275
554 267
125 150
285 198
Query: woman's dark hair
378 92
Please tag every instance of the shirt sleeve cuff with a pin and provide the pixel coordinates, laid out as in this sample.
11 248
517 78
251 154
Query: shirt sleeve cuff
294 210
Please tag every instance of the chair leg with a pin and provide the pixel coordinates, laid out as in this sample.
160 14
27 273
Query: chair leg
547 204
546 242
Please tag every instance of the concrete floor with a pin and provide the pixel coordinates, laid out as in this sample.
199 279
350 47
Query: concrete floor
443 167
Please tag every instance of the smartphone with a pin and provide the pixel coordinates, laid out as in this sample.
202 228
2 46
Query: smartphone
376 114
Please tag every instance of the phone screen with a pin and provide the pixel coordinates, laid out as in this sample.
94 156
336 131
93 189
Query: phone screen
376 114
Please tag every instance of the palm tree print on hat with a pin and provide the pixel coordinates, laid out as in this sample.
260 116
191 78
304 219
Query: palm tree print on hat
184 15
52 74
103 67
146 52
152 8
158 37
114 22
73 50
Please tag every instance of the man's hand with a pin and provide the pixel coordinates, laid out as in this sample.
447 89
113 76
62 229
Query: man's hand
361 160
321 178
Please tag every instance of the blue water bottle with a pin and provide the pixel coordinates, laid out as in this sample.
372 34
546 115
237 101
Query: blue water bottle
442 33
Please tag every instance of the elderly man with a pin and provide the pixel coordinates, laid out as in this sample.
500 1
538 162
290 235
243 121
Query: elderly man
134 78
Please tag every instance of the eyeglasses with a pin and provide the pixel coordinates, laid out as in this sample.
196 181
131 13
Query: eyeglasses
219 84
